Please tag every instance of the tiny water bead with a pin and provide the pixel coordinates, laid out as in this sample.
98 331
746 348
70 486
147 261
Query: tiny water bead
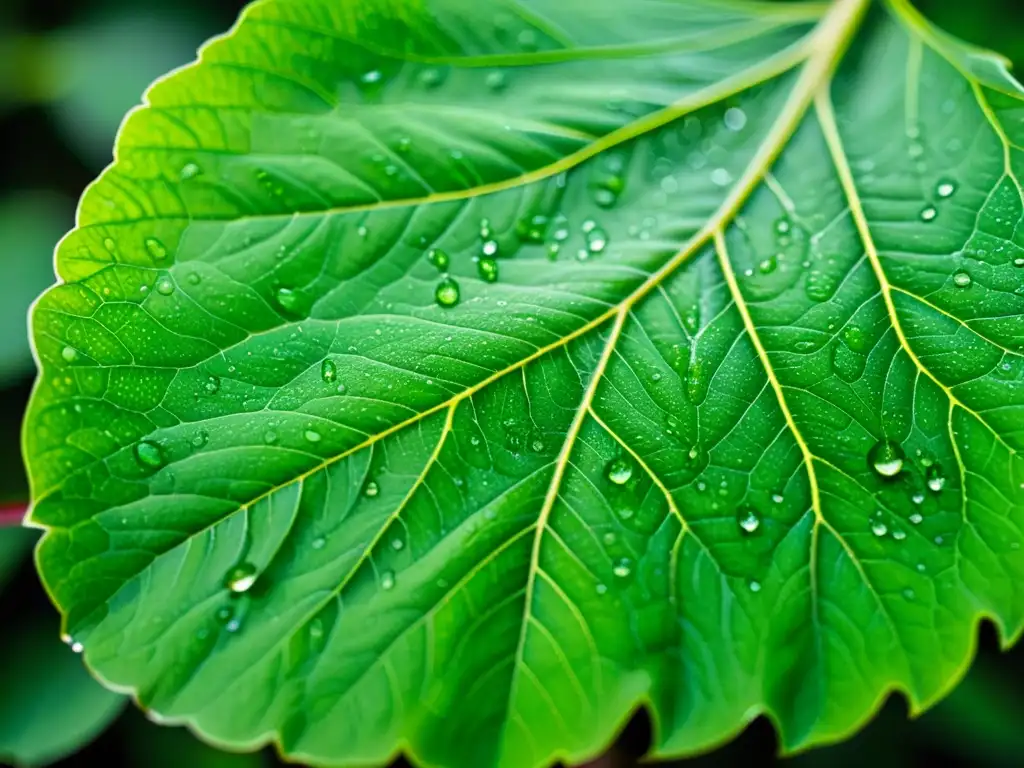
447 293
496 81
387 580
188 171
69 354
768 265
934 478
916 518
898 534
155 248
945 189
886 458
735 119
748 520
312 436
489 248
928 213
371 77
397 544
270 437
755 586
319 542
623 568
328 371
619 471
212 385
240 578
371 490
438 258
288 299
1019 261
487 268
149 454
961 279
879 528
596 240
165 286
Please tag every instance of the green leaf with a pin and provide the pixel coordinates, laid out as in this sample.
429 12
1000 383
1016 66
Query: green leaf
49 705
457 377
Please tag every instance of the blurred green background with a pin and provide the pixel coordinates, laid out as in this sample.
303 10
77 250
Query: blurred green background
68 73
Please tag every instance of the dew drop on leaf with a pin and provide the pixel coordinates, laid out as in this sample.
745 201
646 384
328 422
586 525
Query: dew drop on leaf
319 542
601 589
149 454
69 354
155 248
189 171
619 471
212 385
768 265
312 435
387 580
487 269
748 520
755 586
496 81
397 544
928 213
782 226
721 177
898 534
489 248
270 437
438 258
200 438
961 279
945 189
623 568
371 490
886 458
288 299
240 578
447 292
165 286
596 240
916 518
934 478
735 119
328 371
879 528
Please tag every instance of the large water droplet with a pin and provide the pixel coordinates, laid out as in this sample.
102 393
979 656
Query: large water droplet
916 518
879 528
619 471
886 458
165 286
149 454
328 371
748 520
961 279
69 354
438 258
240 578
156 248
487 269
447 292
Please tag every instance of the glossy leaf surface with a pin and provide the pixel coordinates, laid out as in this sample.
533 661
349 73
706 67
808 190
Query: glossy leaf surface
456 377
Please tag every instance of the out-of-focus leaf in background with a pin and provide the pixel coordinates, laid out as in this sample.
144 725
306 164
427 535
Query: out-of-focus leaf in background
50 705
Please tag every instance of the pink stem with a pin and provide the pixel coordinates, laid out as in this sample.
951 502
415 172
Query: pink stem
12 513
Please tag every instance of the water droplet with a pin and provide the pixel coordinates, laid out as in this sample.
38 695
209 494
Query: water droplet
404 144
485 230
886 458
212 385
319 542
429 78
747 519
438 258
371 490
879 528
908 593
328 371
625 512
156 248
149 454
489 248
720 177
371 77
194 278
928 213
240 578
447 292
288 299
961 279
69 354
921 567
224 614
735 119
397 544
270 437
935 479
898 534
755 586
916 518
165 286
609 538
496 81
768 265
604 197
387 580
782 226
188 171
487 269
77 647
601 588
619 471
855 338
623 568
945 189
596 240
917 498
1019 261
200 438
312 435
